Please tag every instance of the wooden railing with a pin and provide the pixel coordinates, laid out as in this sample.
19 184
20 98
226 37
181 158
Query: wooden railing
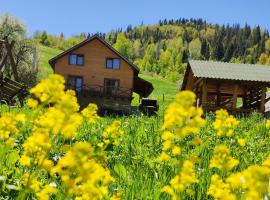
101 91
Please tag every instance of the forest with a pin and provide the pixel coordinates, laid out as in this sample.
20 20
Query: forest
164 48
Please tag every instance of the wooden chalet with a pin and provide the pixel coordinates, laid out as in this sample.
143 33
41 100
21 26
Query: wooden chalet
238 88
100 74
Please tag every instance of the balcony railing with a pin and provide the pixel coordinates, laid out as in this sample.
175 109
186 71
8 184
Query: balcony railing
103 91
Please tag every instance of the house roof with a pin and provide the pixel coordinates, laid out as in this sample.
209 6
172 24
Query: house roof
230 71
53 60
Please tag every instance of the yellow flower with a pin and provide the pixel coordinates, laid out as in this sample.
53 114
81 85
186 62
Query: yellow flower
176 150
267 124
46 192
83 177
167 145
47 164
31 103
25 160
241 142
220 190
169 190
222 159
90 112
196 141
182 113
167 135
49 90
8 128
112 134
185 178
181 119
164 157
36 147
28 181
225 123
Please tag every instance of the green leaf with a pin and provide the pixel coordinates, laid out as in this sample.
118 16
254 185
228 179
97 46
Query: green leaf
12 158
120 170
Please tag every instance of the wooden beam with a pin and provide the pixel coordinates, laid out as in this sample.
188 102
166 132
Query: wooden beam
11 59
234 99
204 95
262 103
218 95
196 83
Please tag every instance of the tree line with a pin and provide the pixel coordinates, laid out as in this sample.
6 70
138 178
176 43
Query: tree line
165 47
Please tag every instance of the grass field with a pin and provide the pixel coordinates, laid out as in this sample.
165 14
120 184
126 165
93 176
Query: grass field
134 162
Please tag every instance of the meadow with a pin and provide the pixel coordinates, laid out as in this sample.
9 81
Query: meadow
142 154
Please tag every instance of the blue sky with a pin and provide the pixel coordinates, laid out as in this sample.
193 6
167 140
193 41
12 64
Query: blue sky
74 17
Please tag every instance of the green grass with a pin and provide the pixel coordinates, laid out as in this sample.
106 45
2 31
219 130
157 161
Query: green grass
45 54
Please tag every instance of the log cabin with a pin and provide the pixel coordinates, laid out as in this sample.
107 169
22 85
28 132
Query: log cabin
238 88
100 74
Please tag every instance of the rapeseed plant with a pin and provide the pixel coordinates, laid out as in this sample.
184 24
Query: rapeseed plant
222 159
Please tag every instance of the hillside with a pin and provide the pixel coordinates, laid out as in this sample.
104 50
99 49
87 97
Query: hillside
45 54
164 48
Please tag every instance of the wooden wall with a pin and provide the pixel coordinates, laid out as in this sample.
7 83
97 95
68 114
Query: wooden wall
94 69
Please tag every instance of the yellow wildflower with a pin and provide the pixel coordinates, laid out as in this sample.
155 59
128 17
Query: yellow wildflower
28 181
8 128
254 181
83 177
31 103
36 148
222 159
181 119
185 178
167 135
176 150
224 123
90 112
241 142
50 89
164 157
46 192
220 190
112 134
183 114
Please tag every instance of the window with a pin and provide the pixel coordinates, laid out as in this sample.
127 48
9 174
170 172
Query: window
72 59
75 83
80 60
111 86
76 59
113 63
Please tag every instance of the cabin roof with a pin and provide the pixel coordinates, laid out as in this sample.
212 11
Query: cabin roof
53 60
230 71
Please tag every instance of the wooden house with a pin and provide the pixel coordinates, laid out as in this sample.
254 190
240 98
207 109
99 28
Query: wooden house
239 88
99 73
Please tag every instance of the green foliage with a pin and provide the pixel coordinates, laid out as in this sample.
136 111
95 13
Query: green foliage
123 45
195 49
24 52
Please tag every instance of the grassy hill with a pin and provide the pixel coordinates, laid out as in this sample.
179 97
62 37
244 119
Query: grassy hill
45 54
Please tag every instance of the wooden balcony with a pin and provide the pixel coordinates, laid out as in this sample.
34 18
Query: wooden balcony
104 92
